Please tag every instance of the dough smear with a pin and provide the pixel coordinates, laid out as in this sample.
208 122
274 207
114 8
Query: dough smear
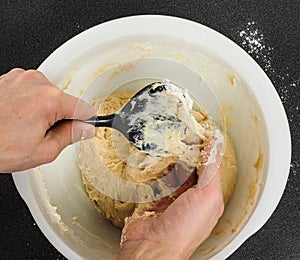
119 178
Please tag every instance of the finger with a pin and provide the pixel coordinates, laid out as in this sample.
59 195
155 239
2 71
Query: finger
213 194
211 159
14 72
73 107
11 74
2 76
70 132
136 228
63 134
215 181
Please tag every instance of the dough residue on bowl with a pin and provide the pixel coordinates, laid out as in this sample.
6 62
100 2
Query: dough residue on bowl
163 177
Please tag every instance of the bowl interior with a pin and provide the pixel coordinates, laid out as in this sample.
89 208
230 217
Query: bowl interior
228 92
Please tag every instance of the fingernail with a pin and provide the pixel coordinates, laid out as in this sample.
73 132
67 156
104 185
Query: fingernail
87 132
83 135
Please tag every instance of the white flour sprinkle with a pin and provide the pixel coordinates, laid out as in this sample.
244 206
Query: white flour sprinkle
253 41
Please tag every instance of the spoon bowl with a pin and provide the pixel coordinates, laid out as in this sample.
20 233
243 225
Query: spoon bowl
150 117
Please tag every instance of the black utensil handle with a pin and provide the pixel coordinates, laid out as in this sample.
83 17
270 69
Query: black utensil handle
101 121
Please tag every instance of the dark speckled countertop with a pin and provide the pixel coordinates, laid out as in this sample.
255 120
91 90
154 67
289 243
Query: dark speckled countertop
31 30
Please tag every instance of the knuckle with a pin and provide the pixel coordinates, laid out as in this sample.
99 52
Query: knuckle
53 99
49 98
33 74
16 70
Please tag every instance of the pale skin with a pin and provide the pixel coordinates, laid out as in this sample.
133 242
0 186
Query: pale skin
30 107
177 231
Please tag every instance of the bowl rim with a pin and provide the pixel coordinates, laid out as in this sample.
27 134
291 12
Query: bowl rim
264 91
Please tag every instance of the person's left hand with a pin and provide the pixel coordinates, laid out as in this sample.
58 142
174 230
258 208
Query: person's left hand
30 108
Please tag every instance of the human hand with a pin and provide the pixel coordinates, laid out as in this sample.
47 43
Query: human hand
30 106
175 231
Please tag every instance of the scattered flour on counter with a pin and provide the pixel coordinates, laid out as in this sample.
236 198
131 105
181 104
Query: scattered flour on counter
254 42
292 181
294 167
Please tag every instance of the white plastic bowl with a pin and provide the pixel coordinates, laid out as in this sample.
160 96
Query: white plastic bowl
255 119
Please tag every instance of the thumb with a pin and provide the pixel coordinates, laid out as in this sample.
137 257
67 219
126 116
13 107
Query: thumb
63 134
73 107
70 132
211 161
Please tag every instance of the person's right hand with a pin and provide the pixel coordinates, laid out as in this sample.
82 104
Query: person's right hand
176 230
30 106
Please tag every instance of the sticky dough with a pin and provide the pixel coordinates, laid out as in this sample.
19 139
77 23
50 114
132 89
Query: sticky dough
127 163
